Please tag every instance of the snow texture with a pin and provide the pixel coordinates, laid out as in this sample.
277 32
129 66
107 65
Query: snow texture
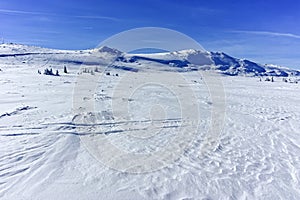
43 153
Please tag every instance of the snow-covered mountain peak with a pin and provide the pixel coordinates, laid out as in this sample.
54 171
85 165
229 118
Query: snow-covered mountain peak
107 49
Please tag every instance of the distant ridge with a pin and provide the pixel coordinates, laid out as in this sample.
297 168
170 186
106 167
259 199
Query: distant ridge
189 59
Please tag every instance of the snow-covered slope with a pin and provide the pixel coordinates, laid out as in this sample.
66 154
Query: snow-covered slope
45 138
186 60
233 66
221 62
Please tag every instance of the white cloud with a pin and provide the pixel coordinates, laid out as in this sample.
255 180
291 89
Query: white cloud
97 17
23 12
268 33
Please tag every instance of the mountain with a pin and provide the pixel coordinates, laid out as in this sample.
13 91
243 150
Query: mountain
218 61
183 60
233 66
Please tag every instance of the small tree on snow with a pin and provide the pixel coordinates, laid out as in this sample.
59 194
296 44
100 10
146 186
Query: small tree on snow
48 71
65 70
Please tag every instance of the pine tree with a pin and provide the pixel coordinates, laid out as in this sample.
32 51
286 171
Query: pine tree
65 70
46 71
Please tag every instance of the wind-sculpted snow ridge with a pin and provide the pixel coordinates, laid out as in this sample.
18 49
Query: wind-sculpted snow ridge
18 110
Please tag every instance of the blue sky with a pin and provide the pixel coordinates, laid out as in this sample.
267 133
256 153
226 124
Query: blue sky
264 31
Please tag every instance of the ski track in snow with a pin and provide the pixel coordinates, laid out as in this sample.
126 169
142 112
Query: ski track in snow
42 157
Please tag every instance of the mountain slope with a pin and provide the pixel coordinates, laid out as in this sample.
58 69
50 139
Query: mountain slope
184 60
